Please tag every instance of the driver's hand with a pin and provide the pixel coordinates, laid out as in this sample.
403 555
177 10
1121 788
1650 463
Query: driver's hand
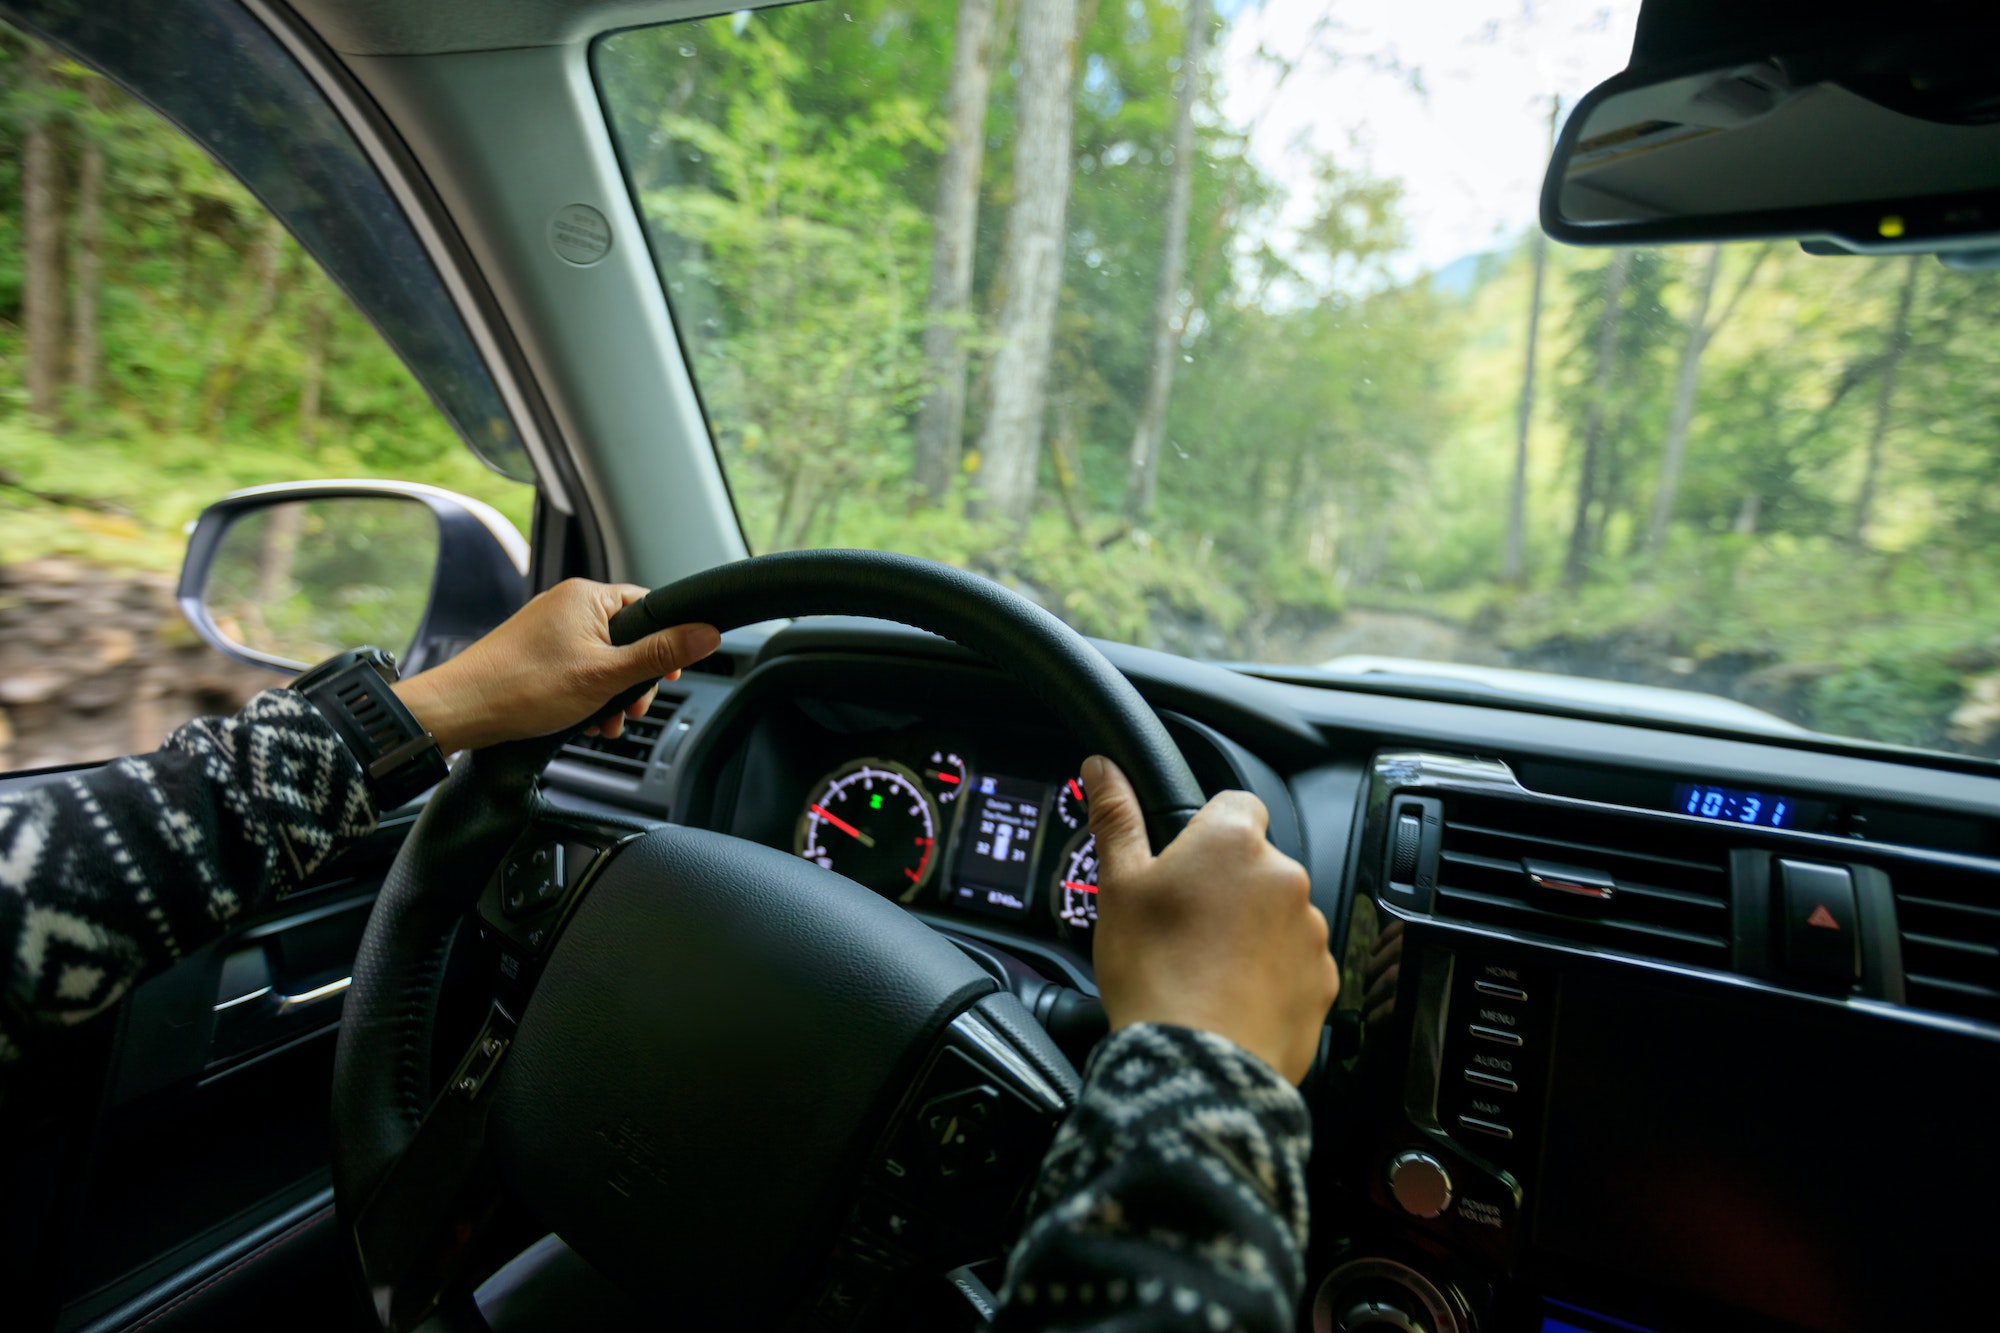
1217 932
549 666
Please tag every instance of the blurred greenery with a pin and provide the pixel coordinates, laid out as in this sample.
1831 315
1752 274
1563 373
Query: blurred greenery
209 353
306 579
1342 434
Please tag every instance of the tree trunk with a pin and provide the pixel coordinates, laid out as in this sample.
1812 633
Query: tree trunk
312 374
1032 263
85 354
1687 380
1067 456
1142 476
941 419
42 285
1746 515
1514 562
1593 431
266 270
1885 390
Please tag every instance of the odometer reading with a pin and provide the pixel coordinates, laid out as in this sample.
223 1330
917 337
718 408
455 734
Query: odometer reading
872 821
1075 891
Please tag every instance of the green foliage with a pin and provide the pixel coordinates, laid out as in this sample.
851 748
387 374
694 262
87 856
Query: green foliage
228 358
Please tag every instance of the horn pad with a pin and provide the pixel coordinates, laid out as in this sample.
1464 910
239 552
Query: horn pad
715 1042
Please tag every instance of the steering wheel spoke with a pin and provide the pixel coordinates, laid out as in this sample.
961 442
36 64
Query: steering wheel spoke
946 1183
416 1233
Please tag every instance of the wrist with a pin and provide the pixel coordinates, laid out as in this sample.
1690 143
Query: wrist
436 710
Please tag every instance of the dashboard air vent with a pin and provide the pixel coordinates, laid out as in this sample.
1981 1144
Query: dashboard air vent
628 755
1950 923
1599 878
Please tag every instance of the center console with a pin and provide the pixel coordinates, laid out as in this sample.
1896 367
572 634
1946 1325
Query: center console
1597 1086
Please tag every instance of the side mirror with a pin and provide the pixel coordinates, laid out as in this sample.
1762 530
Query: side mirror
1885 144
284 576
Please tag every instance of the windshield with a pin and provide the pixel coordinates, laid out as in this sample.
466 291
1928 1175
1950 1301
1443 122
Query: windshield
1226 328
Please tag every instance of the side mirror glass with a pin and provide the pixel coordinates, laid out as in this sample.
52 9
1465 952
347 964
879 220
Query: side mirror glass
300 580
285 576
1887 146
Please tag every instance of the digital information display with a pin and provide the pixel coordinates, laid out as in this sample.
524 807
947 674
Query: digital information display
1735 807
996 845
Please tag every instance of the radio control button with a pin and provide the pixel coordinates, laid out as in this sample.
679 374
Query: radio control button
1514 993
1486 1080
1420 1184
1492 1127
1495 1034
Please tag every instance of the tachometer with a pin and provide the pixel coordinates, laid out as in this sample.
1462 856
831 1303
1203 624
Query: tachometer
1074 892
873 822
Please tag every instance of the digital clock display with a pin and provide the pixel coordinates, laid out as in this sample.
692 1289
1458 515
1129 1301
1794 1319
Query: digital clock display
1736 807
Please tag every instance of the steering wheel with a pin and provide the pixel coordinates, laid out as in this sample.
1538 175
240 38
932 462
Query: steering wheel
745 1089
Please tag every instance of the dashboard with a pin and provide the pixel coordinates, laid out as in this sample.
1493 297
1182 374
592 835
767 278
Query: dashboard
1639 1028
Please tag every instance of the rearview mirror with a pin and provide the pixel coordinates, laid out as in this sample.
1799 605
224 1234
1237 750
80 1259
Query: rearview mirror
1883 146
285 576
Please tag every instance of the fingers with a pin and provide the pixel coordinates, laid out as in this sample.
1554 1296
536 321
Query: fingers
1236 807
1115 819
665 653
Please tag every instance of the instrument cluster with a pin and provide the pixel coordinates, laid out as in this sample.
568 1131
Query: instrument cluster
942 832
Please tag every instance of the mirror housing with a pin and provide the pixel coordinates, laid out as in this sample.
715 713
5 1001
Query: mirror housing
1869 136
478 578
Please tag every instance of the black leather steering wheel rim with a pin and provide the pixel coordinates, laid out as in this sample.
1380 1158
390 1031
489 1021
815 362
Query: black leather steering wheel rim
1055 663
383 1065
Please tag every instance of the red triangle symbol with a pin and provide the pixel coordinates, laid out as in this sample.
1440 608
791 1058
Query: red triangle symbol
1822 918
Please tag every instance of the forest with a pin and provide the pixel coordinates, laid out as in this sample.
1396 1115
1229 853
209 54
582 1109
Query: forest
999 282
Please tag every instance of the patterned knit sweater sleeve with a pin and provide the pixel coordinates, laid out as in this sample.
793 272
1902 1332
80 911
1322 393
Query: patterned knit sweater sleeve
1173 1198
109 875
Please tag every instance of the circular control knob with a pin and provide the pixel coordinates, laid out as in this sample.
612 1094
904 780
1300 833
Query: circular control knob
1378 1316
1384 1296
1420 1184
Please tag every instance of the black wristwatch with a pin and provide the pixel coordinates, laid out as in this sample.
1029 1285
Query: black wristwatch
353 692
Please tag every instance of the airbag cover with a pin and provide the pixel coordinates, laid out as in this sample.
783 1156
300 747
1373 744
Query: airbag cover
718 1037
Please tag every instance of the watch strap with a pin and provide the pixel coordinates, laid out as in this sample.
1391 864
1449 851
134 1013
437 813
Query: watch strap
354 691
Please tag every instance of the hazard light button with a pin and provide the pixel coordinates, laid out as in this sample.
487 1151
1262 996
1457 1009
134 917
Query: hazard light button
1820 931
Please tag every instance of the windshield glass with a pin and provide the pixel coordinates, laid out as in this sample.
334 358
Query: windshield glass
1226 328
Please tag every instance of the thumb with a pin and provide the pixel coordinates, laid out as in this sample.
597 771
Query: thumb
1115 819
666 652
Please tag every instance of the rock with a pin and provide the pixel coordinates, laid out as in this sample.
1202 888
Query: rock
94 694
31 687
111 645
1976 722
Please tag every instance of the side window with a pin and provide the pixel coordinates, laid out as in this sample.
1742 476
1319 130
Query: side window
164 340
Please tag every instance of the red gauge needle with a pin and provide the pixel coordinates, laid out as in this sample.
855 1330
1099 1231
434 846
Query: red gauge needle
1079 886
952 778
843 825
1075 790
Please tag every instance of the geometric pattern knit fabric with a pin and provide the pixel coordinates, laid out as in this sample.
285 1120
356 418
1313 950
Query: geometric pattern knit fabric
109 875
1174 1197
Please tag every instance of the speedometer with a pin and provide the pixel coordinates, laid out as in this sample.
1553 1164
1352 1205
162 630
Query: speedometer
873 822
1075 891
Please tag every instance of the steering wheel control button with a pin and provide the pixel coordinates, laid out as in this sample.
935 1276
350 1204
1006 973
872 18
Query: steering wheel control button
960 1135
1420 1184
1821 937
532 881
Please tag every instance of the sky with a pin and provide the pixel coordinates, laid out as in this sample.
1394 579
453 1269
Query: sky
1451 96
